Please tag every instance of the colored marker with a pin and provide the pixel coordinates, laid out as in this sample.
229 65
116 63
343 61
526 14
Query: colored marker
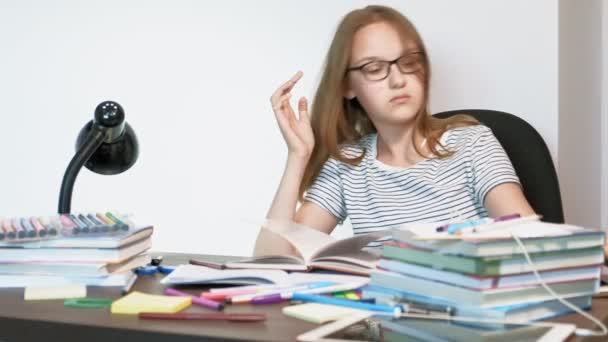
252 317
68 224
102 226
2 231
8 229
92 226
121 224
502 225
108 222
21 231
276 296
31 231
196 300
347 303
52 228
38 226
83 226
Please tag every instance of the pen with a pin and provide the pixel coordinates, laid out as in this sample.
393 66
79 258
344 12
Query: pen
205 316
502 224
347 303
196 300
102 226
275 296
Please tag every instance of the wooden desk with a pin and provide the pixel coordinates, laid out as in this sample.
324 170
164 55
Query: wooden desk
51 321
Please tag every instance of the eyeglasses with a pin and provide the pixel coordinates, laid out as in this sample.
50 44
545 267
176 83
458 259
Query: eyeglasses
379 70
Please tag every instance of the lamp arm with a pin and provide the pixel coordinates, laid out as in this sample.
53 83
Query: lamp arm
90 145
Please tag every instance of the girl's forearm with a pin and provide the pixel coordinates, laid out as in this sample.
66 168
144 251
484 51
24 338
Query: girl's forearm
286 198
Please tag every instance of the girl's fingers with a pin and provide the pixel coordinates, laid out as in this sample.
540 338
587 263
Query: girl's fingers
286 87
303 108
278 105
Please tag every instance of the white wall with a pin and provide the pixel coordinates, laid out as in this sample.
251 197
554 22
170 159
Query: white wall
194 78
580 110
604 114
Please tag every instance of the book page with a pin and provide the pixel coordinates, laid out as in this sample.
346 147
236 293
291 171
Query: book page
350 245
306 240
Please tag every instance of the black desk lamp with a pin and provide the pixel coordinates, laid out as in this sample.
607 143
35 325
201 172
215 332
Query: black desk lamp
106 145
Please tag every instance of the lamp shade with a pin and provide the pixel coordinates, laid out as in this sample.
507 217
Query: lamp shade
119 150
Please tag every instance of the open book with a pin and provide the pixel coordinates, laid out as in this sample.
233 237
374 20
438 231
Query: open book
316 250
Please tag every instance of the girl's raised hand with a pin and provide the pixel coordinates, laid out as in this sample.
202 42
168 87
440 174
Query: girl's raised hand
296 131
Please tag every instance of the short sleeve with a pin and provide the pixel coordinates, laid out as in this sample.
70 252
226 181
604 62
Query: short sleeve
327 192
490 163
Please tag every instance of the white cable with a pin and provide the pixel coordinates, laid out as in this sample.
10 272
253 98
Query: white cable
578 331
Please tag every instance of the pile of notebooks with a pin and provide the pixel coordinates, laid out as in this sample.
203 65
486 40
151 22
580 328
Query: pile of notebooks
488 275
104 258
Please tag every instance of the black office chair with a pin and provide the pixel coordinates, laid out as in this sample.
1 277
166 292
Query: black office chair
530 157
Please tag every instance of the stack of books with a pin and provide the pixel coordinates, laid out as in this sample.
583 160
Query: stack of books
487 275
106 258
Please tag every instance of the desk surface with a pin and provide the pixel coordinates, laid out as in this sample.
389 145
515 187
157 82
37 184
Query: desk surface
51 321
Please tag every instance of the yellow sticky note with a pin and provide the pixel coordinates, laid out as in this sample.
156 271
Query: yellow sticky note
318 313
137 302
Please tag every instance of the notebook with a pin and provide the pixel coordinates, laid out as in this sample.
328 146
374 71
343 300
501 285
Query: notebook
136 302
536 236
481 298
491 282
77 254
528 311
494 265
316 250
73 269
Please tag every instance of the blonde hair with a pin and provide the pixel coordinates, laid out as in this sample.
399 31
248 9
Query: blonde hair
336 121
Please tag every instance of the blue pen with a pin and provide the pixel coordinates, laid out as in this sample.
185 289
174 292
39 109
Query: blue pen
453 228
396 310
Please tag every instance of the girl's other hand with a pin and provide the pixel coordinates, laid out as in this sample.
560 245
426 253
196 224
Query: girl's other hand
296 131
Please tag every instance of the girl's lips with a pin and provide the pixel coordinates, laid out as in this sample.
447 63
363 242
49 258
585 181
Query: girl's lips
400 99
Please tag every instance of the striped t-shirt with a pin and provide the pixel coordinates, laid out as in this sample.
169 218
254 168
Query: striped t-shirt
376 196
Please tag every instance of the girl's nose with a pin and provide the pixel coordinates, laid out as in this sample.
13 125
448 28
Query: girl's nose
396 78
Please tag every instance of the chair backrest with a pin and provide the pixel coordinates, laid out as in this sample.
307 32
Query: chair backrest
530 157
